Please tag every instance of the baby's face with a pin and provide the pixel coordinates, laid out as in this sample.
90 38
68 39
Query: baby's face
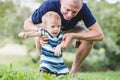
53 28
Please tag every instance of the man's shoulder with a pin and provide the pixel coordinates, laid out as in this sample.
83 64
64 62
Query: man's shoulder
47 5
84 7
86 15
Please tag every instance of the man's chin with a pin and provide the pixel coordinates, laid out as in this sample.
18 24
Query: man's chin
67 19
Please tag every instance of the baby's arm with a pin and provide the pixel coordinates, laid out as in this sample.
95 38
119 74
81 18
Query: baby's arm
58 49
29 34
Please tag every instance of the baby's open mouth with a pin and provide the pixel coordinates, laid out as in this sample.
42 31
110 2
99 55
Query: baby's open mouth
55 32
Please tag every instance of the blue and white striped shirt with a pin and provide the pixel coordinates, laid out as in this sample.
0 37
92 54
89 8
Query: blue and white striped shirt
48 61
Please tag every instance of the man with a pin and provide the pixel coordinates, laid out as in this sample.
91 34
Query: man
71 12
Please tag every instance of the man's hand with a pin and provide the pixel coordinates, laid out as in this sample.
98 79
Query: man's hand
22 35
67 39
39 29
43 37
42 40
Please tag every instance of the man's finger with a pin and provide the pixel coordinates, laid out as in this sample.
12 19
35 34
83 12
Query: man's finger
65 44
44 37
25 36
42 42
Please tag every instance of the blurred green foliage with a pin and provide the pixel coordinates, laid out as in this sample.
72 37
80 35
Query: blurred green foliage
39 0
104 53
108 16
11 22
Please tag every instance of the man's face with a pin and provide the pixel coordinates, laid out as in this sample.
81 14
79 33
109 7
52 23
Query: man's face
69 9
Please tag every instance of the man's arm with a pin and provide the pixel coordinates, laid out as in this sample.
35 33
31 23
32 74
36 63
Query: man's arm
29 25
95 33
33 34
29 34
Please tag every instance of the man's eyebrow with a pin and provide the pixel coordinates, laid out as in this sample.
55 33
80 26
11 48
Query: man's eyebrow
74 11
71 10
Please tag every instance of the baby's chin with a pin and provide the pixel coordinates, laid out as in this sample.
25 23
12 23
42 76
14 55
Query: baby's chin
54 34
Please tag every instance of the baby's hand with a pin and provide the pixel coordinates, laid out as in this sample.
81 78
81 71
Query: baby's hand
57 51
22 35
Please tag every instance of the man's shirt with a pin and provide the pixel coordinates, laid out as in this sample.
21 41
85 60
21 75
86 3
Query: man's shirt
54 5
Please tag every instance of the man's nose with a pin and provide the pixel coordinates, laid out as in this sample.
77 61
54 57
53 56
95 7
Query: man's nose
70 14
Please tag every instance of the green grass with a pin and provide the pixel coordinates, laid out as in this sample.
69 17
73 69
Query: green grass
15 67
12 72
101 75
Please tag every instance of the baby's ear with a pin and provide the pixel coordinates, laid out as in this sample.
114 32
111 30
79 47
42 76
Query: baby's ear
44 26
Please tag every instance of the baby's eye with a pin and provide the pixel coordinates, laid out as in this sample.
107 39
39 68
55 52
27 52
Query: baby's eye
52 26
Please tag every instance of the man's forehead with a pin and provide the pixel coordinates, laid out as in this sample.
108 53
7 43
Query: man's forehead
77 2
72 3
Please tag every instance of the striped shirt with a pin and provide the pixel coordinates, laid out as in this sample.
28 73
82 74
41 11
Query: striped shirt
48 61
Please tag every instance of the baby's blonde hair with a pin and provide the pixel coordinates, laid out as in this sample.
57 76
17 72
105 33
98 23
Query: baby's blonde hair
51 18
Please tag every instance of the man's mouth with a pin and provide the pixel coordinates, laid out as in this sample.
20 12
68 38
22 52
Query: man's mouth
68 18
